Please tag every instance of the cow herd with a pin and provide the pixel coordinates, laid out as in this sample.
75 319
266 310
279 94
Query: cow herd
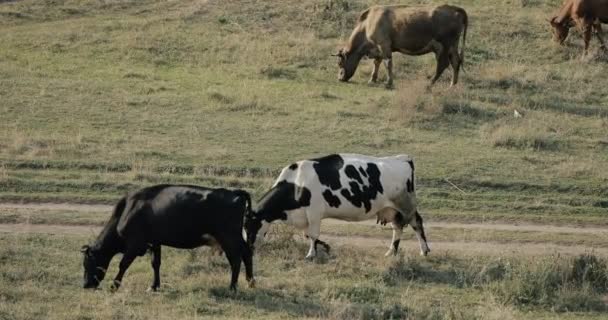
348 187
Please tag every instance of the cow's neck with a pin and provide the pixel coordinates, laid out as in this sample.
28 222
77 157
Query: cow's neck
109 242
358 44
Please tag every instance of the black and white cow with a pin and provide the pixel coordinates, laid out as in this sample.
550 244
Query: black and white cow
179 216
348 187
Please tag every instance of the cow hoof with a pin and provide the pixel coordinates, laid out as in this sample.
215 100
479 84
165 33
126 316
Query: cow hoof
309 257
115 285
389 86
372 82
252 283
425 253
390 253
152 289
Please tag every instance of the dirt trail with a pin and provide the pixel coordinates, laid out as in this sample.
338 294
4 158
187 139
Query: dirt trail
463 247
431 224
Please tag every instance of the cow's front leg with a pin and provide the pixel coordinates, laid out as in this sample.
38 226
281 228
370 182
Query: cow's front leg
314 229
397 232
374 77
125 262
587 37
419 229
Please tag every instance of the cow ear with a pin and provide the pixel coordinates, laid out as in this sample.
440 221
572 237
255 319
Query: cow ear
85 248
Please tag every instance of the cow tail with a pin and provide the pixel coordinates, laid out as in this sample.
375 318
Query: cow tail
120 207
245 194
465 21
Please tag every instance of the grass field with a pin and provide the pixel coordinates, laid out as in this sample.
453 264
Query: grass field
99 97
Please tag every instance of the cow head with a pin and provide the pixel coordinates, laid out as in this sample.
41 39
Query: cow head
95 266
559 29
347 64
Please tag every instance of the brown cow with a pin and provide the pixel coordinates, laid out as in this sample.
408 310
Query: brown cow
382 30
586 15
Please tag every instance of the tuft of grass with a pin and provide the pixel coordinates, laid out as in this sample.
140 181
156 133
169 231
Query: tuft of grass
534 132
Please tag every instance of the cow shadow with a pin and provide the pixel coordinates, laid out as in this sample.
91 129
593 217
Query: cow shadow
271 300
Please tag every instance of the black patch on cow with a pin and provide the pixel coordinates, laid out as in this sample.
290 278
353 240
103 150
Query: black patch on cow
360 194
362 171
374 177
352 173
328 170
410 185
293 166
359 197
331 199
396 244
283 197
411 162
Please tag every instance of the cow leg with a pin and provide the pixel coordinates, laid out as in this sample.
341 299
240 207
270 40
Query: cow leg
247 256
125 262
324 244
443 62
233 252
374 77
134 248
598 33
314 229
587 37
455 62
397 232
416 224
155 267
388 62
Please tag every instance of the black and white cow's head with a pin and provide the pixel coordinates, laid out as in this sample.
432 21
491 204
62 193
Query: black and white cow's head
284 196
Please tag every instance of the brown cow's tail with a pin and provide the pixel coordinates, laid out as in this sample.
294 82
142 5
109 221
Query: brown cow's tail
465 21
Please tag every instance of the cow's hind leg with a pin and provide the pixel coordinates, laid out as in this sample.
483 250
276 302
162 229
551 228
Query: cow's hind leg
396 219
455 62
598 33
418 227
155 267
247 256
443 62
233 251
397 232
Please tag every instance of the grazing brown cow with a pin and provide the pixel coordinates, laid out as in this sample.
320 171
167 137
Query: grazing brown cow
586 15
382 30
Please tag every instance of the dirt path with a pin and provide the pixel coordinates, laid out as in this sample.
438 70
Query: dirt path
431 224
411 246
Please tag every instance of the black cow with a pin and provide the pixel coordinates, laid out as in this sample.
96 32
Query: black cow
179 216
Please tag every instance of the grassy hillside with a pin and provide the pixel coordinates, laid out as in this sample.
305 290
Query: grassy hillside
98 97
101 96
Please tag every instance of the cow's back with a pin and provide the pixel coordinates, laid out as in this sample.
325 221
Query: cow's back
353 186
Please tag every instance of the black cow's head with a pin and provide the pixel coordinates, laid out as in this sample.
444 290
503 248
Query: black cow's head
95 266
347 64
560 29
